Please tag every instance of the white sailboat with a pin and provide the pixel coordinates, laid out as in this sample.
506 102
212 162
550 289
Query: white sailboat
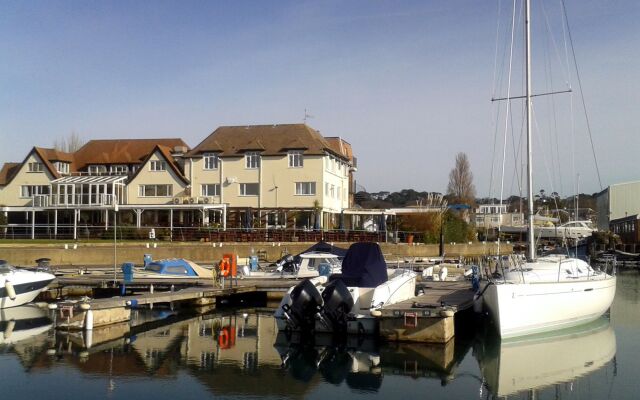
547 293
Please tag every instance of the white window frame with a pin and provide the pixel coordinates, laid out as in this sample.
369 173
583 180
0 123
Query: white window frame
305 189
36 166
33 190
296 159
209 161
97 169
252 160
119 169
62 167
243 189
210 189
142 191
157 165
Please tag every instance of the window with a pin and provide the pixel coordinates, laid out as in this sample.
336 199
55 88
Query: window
332 191
33 190
158 165
326 189
295 159
249 189
305 188
252 160
97 169
155 191
211 189
36 167
62 167
210 160
118 169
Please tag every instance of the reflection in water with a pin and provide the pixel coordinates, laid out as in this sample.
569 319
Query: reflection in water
533 362
239 354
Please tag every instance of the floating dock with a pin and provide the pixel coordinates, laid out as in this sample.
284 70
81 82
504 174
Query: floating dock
426 318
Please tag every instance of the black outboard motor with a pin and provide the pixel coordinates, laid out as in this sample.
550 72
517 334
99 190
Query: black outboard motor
305 303
338 302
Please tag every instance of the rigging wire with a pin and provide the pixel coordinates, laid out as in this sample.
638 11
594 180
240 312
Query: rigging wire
584 107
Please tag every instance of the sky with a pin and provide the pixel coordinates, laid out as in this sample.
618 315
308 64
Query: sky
407 83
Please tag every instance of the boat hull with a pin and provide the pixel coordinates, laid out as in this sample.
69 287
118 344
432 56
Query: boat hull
520 309
26 284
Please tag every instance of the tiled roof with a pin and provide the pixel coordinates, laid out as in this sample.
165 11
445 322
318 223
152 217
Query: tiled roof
120 151
341 147
166 154
8 171
232 141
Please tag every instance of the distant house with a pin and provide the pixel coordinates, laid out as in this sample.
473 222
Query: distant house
618 201
490 216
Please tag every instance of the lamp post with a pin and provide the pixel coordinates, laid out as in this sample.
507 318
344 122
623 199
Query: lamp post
115 232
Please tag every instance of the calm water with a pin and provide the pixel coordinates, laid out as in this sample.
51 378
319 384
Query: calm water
181 356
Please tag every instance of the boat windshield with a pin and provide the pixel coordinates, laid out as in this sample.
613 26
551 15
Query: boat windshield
6 268
153 268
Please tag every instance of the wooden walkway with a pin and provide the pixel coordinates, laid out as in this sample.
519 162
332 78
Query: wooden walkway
438 296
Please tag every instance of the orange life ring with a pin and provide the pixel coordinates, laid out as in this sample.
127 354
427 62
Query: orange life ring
223 338
225 267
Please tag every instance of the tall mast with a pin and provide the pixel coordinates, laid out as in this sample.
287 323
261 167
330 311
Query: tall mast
527 27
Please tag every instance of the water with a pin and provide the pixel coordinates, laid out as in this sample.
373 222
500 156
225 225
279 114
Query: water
182 356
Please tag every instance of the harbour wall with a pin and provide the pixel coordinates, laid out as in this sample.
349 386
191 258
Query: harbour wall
88 254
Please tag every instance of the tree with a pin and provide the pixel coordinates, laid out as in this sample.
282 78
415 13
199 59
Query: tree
461 188
69 144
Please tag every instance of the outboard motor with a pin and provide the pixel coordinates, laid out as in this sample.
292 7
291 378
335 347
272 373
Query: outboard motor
338 302
305 303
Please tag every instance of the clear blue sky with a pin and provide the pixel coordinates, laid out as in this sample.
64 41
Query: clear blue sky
407 83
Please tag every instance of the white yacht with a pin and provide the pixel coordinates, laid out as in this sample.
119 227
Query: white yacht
19 286
548 293
311 265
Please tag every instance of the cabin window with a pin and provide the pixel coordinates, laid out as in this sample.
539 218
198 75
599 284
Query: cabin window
210 161
295 159
178 270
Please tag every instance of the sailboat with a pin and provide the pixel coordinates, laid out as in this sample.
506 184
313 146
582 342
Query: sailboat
549 293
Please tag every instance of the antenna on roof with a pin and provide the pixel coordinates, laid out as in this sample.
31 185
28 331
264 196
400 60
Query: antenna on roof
306 116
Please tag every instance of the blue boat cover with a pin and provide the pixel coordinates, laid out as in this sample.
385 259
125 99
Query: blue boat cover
364 265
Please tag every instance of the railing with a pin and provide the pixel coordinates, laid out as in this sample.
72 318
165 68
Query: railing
57 200
200 234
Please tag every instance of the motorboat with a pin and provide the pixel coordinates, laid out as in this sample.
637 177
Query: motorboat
574 230
310 264
511 366
348 302
22 322
19 286
548 293
172 268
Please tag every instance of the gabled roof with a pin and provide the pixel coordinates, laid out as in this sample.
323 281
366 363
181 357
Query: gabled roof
8 171
120 151
165 152
233 141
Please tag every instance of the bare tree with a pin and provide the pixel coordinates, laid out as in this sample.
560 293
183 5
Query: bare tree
461 188
69 144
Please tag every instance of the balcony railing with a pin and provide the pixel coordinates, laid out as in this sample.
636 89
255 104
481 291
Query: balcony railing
53 200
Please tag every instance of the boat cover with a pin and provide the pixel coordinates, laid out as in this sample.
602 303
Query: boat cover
325 247
364 265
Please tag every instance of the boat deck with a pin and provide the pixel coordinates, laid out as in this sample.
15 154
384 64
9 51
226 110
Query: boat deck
438 296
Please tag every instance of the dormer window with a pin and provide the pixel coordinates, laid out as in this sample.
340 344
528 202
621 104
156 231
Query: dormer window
158 165
295 159
118 169
36 167
210 161
62 167
252 160
97 169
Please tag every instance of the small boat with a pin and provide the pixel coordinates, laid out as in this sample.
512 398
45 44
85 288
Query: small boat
18 286
348 302
311 264
22 322
172 268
